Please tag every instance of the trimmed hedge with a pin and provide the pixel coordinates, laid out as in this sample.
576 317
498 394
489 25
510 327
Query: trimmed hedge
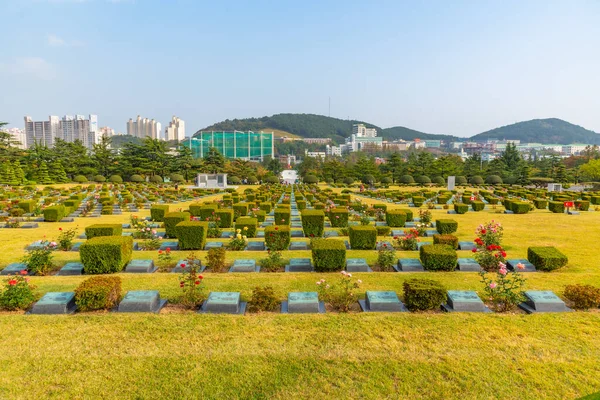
158 212
266 206
395 218
520 207
380 207
54 213
461 208
191 234
240 209
409 215
313 222
106 254
446 226
226 216
438 257
449 240
277 237
546 258
582 205
363 237
557 207
540 204
171 221
418 201
282 216
96 230
247 222
98 293
423 294
328 255
338 217
477 205
27 205
301 204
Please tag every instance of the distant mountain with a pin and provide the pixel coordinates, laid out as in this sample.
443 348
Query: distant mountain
551 130
312 126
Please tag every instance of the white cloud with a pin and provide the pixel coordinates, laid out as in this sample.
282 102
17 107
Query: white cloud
30 67
56 41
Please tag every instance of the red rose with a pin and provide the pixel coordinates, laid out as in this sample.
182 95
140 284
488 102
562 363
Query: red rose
474 250
12 282
503 254
168 249
181 284
483 231
197 282
200 277
24 272
160 252
60 229
182 265
276 228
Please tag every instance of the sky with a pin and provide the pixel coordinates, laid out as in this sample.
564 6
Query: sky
452 67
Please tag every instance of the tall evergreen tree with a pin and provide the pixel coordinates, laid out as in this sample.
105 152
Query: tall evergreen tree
42 176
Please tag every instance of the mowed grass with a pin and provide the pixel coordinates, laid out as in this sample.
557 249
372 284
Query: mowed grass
433 355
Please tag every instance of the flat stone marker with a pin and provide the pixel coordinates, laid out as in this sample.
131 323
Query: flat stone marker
299 265
82 236
357 265
302 303
380 223
410 224
126 226
37 245
260 234
186 266
512 265
243 265
464 300
430 232
466 245
468 265
72 268
451 212
409 265
138 266
296 233
328 234
542 301
381 301
327 224
296 224
13 269
298 246
169 245
68 219
380 245
55 303
29 225
226 234
508 212
223 303
255 246
141 301
397 232
213 245
127 234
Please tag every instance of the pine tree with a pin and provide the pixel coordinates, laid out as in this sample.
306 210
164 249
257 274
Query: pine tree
42 174
19 174
8 174
57 172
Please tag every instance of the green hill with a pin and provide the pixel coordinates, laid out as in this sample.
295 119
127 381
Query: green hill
400 132
551 130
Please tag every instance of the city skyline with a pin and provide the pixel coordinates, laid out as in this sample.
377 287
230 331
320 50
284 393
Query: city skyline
454 68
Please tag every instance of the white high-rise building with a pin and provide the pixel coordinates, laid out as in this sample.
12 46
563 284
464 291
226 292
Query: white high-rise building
68 128
42 132
360 130
144 127
18 135
175 130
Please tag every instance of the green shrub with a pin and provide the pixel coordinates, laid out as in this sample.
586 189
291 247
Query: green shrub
248 226
382 207
106 254
446 226
423 294
313 222
383 230
546 258
266 206
226 217
215 259
583 297
136 178
418 201
96 230
362 237
438 257
208 211
98 293
461 208
301 204
409 215
263 299
328 255
282 216
277 237
449 240
540 204
171 221
99 179
115 179
338 217
27 205
158 212
582 205
520 207
557 207
79 179
156 179
395 218
260 215
240 209
477 205
191 234
54 213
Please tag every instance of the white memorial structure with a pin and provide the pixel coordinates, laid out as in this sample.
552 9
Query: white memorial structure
211 181
289 176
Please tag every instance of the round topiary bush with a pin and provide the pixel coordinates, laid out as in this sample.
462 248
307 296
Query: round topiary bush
476 180
510 180
99 178
176 178
438 180
252 179
386 180
407 179
311 179
136 178
115 179
493 180
80 179
234 180
460 180
156 179
368 179
348 180
423 179
272 179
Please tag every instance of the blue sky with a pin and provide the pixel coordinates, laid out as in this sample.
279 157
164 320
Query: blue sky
456 67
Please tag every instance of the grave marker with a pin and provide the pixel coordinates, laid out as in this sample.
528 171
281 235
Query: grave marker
55 303
464 301
138 266
243 265
141 301
357 265
409 265
542 301
223 303
302 303
72 268
382 301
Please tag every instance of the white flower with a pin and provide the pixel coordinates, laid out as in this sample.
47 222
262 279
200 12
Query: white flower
327 287
349 275
359 281
318 282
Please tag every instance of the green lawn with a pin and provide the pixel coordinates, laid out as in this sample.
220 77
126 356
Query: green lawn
184 355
